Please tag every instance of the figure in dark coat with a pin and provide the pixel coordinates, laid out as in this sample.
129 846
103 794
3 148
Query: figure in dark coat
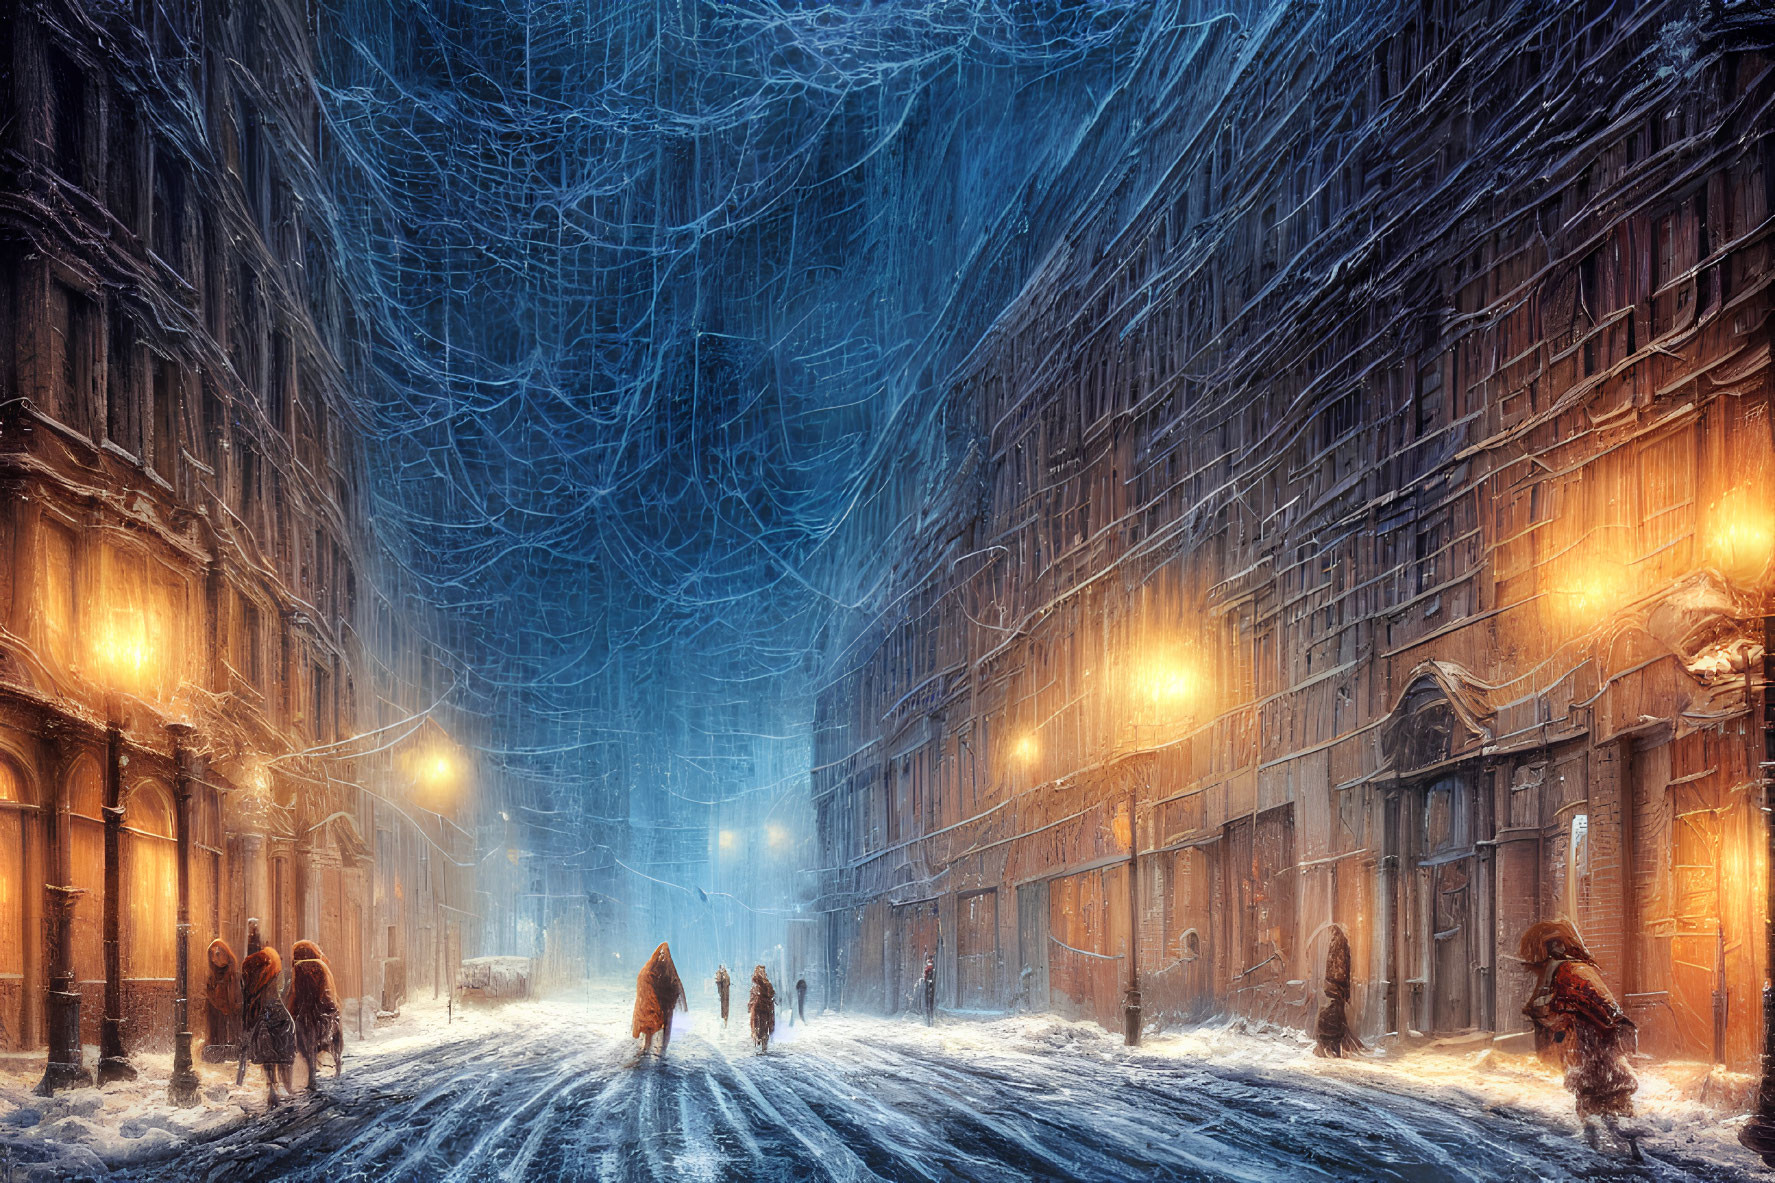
763 1008
221 994
929 982
313 1000
269 1036
801 1000
723 987
1579 1024
657 991
1333 1030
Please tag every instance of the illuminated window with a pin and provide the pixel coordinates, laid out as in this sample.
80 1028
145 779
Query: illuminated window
1577 869
58 593
151 884
86 836
12 871
247 641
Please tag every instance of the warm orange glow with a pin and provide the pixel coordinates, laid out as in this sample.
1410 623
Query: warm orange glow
121 652
1025 748
437 770
1740 534
1166 683
1592 589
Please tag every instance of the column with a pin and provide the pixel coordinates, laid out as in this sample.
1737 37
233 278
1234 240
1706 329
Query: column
65 1067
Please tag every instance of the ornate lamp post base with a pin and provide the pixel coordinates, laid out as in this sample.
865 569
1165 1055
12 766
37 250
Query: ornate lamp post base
1758 1136
113 1063
182 1089
66 1067
63 1076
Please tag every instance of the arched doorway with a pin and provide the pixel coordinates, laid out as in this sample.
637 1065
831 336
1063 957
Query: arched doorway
15 798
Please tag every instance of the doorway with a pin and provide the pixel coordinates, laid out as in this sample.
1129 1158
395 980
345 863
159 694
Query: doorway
1439 930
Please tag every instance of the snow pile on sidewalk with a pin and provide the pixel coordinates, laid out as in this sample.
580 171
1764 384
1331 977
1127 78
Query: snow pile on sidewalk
1687 1108
1690 1110
89 1131
92 1131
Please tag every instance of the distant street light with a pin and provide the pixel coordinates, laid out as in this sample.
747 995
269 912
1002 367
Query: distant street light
1026 749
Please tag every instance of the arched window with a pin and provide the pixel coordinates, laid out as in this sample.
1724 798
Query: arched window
151 883
85 788
14 792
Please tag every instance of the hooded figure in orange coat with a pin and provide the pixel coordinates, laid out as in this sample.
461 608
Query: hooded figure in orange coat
1579 1024
268 1036
222 995
657 991
313 1000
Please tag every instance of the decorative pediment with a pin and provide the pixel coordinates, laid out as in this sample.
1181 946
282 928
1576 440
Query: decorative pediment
1443 714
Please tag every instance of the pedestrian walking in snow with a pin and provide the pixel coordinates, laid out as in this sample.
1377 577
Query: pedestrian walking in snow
657 992
1579 1024
763 1009
801 1000
268 1034
1333 1029
723 986
313 1001
221 994
930 991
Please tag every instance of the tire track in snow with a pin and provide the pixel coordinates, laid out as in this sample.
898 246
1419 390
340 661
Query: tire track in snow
552 1092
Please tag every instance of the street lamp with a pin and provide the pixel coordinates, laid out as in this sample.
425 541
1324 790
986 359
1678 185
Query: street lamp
1164 687
121 655
182 1089
1739 535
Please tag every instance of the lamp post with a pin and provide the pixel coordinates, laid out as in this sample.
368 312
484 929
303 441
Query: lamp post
1132 1017
113 1059
182 1089
1758 1134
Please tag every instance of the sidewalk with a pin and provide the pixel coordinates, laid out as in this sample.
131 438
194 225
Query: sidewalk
93 1131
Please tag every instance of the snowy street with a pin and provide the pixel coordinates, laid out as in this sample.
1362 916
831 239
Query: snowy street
552 1090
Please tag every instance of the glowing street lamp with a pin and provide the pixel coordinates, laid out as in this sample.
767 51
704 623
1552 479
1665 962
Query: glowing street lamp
437 771
1740 534
121 655
1026 748
777 836
727 839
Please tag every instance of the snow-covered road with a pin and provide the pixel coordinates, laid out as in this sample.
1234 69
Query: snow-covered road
553 1091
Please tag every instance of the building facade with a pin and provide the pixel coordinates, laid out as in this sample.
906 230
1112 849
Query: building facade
1361 515
203 697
